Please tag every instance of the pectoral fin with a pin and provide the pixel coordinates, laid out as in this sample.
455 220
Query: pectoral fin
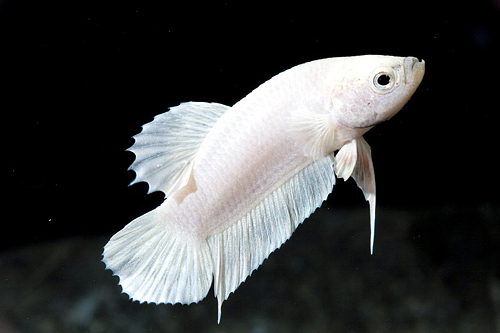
314 132
354 159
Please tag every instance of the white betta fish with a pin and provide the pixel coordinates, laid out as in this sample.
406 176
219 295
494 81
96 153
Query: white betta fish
238 180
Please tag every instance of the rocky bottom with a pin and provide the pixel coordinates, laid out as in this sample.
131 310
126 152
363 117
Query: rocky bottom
433 270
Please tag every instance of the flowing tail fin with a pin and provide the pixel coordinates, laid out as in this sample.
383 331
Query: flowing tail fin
156 265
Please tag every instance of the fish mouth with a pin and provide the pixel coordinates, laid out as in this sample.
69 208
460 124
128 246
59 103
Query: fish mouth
414 70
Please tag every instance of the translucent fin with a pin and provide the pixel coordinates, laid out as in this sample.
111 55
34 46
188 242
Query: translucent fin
364 175
354 159
314 131
166 147
154 265
241 248
346 159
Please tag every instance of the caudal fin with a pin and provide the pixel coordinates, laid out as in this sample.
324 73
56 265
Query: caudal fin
155 265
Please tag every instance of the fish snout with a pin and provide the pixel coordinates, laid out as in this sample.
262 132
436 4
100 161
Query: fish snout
414 70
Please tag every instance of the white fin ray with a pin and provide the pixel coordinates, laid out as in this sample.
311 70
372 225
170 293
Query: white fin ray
166 147
346 160
155 266
364 175
241 248
354 159
314 131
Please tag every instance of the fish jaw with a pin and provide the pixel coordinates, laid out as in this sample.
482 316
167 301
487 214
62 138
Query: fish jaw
414 71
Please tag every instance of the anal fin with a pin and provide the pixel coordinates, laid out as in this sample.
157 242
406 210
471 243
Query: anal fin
240 249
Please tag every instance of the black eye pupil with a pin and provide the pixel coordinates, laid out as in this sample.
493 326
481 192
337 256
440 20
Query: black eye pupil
383 80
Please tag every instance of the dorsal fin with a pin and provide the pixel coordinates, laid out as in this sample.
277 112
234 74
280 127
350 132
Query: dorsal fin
166 147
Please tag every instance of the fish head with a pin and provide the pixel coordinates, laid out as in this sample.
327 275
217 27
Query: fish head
374 88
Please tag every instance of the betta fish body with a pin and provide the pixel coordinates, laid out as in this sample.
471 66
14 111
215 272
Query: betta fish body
238 180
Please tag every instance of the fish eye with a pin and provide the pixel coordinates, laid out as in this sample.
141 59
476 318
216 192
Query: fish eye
383 79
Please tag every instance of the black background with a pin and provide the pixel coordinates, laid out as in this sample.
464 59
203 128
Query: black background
80 78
